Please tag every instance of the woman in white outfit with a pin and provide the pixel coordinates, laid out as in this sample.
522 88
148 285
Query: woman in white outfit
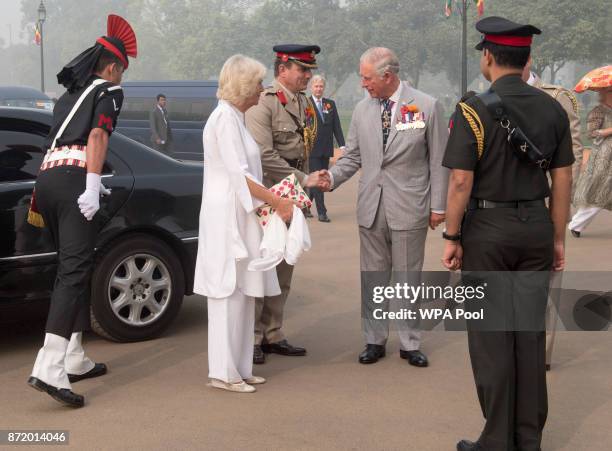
230 234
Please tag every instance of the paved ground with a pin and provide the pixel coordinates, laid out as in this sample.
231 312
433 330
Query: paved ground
155 396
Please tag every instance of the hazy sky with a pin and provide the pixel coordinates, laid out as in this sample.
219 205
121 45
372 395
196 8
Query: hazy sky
10 20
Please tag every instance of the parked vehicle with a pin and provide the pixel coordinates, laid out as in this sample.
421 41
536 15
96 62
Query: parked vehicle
189 106
146 248
24 97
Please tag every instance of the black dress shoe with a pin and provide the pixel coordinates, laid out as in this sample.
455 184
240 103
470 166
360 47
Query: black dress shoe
283 348
63 395
371 354
466 445
258 356
307 213
99 369
415 358
575 233
324 218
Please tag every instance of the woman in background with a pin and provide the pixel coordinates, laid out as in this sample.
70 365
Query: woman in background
594 188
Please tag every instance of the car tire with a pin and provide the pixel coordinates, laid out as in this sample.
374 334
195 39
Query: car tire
137 289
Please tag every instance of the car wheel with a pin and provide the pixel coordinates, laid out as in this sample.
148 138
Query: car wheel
137 289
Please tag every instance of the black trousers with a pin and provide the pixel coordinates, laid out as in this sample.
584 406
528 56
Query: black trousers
57 191
316 164
509 362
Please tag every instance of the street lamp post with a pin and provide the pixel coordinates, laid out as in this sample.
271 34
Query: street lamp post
42 15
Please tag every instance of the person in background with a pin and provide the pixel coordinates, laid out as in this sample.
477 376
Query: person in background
161 132
594 189
328 128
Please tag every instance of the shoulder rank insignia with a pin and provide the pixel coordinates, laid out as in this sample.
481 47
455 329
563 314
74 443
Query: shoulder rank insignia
281 97
473 120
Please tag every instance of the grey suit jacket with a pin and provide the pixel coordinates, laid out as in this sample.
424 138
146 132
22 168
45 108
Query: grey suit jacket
159 128
408 175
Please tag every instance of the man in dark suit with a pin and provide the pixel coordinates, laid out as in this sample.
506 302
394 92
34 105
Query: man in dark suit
328 127
161 133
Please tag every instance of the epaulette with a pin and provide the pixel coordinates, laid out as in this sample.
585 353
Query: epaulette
559 90
473 120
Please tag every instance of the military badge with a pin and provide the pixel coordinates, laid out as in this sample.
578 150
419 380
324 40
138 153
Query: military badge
410 118
281 97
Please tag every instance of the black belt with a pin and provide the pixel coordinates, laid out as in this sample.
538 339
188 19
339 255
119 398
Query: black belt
295 163
481 203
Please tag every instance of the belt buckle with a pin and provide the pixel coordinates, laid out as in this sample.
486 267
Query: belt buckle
483 203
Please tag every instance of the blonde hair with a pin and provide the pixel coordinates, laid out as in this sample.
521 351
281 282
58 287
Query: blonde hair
239 78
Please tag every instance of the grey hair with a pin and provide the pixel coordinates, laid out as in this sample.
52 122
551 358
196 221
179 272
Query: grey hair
318 77
384 60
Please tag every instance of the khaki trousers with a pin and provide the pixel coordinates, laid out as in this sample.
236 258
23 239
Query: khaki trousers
269 309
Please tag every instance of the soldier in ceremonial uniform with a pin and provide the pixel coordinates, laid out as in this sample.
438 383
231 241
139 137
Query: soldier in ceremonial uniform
67 197
508 236
284 126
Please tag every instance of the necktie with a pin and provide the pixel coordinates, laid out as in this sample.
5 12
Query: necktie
320 106
386 120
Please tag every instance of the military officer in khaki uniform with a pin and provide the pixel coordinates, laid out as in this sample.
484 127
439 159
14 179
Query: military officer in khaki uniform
284 126
568 101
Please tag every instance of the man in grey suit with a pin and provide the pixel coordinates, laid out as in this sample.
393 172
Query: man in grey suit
161 133
397 138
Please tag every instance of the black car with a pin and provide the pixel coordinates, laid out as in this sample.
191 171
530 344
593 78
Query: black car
146 248
24 97
189 103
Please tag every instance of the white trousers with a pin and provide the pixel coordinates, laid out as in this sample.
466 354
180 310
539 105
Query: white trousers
59 357
583 218
231 322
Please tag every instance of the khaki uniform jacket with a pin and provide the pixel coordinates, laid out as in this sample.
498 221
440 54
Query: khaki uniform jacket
275 130
569 103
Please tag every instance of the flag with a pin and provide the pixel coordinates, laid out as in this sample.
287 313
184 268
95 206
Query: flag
448 8
480 7
37 34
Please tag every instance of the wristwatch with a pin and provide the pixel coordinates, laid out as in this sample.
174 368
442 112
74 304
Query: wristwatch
455 237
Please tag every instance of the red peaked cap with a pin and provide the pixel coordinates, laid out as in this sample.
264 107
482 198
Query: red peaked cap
120 39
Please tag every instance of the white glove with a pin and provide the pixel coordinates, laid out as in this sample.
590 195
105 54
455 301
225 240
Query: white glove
104 191
89 201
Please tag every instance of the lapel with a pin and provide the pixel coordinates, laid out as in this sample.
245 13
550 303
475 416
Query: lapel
374 120
405 98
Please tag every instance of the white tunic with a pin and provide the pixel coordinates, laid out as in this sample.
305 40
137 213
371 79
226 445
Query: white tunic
230 235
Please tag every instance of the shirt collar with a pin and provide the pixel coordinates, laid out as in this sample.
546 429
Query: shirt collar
292 96
396 95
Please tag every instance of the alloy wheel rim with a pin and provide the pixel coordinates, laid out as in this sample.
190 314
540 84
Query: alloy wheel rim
139 290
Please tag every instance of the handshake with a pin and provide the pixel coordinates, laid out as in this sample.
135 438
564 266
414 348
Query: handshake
319 179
